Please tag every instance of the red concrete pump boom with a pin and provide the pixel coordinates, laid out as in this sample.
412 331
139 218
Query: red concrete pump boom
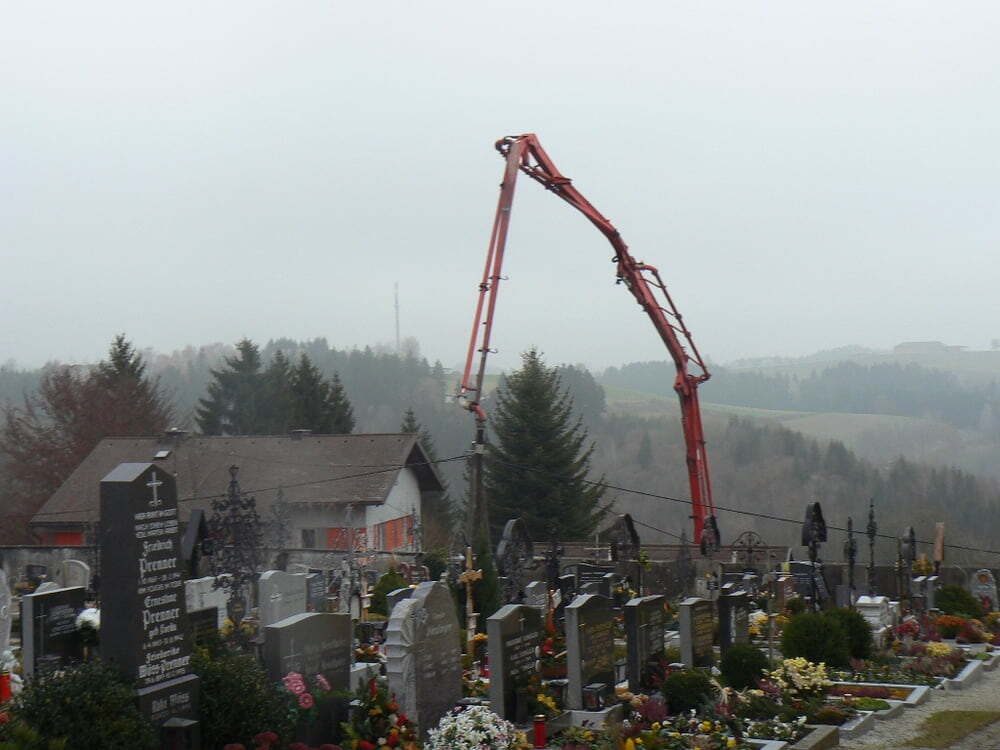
524 153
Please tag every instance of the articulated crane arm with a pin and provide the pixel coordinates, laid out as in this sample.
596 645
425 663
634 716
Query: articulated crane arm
524 153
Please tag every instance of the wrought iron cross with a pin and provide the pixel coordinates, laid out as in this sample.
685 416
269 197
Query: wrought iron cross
851 555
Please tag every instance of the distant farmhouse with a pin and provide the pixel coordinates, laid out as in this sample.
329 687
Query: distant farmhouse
926 347
372 489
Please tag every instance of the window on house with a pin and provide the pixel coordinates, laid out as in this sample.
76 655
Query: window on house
68 538
309 538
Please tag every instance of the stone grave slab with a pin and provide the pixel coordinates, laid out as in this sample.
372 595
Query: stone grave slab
984 587
316 592
424 659
645 634
697 631
201 594
536 594
590 645
515 633
734 618
280 595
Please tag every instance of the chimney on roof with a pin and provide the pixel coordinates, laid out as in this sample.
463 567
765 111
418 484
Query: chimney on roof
297 434
174 436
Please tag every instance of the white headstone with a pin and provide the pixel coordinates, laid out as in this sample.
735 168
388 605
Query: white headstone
984 587
73 573
280 595
876 610
201 594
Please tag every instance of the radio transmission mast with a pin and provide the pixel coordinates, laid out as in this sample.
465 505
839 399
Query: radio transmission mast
396 291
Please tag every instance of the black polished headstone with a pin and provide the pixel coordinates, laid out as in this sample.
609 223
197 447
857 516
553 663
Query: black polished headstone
515 632
144 628
49 639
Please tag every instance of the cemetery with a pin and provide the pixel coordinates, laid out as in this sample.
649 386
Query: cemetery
578 656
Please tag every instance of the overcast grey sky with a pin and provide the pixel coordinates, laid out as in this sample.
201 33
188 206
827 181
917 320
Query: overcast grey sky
805 175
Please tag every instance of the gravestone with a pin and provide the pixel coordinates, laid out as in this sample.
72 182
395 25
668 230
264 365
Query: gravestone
984 587
645 632
734 618
6 612
73 573
515 555
930 592
697 630
515 632
47 586
201 594
203 624
918 594
394 597
280 595
312 643
316 591
587 573
567 587
143 609
536 594
49 639
845 596
424 660
593 588
590 645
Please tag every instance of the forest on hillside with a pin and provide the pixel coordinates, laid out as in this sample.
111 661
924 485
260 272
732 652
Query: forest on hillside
755 465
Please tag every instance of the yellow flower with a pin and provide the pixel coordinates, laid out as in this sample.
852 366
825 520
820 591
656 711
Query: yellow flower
706 726
629 744
655 725
731 742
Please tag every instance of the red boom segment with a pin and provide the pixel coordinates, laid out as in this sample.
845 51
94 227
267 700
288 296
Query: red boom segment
524 153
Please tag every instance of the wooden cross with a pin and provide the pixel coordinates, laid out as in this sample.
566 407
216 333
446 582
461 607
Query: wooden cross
468 577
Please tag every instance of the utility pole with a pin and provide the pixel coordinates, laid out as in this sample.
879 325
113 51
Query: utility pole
872 533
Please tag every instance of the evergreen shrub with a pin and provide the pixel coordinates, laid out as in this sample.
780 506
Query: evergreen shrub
90 704
956 600
816 638
389 582
236 701
743 666
685 690
860 643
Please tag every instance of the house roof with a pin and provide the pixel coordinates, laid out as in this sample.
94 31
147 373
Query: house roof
308 469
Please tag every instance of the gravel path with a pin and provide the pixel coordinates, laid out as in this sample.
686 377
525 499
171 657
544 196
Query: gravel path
984 696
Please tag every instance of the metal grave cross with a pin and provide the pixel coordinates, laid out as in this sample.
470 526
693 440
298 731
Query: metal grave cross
155 483
468 577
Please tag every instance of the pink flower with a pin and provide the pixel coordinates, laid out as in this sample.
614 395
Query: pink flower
322 682
306 701
296 687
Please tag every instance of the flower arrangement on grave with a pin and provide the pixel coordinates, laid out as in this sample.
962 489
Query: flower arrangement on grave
242 637
88 625
776 729
800 677
474 728
588 737
376 721
553 650
907 629
971 632
681 732
922 566
536 693
304 696
949 625
757 624
367 654
478 646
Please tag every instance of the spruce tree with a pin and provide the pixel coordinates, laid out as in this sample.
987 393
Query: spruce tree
341 412
318 404
278 402
236 401
438 516
536 467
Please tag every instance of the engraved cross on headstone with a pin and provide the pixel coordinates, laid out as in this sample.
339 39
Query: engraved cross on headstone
155 483
292 655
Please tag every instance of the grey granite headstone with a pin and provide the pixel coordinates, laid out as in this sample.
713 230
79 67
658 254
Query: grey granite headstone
202 594
6 612
930 592
515 632
590 646
984 587
424 658
310 643
587 573
280 595
536 594
48 629
697 630
395 596
313 643
592 588
645 631
144 629
73 573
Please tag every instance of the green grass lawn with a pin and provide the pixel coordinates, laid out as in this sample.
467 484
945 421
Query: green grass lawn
944 728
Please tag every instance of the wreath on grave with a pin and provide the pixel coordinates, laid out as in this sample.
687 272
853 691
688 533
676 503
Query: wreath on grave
376 721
